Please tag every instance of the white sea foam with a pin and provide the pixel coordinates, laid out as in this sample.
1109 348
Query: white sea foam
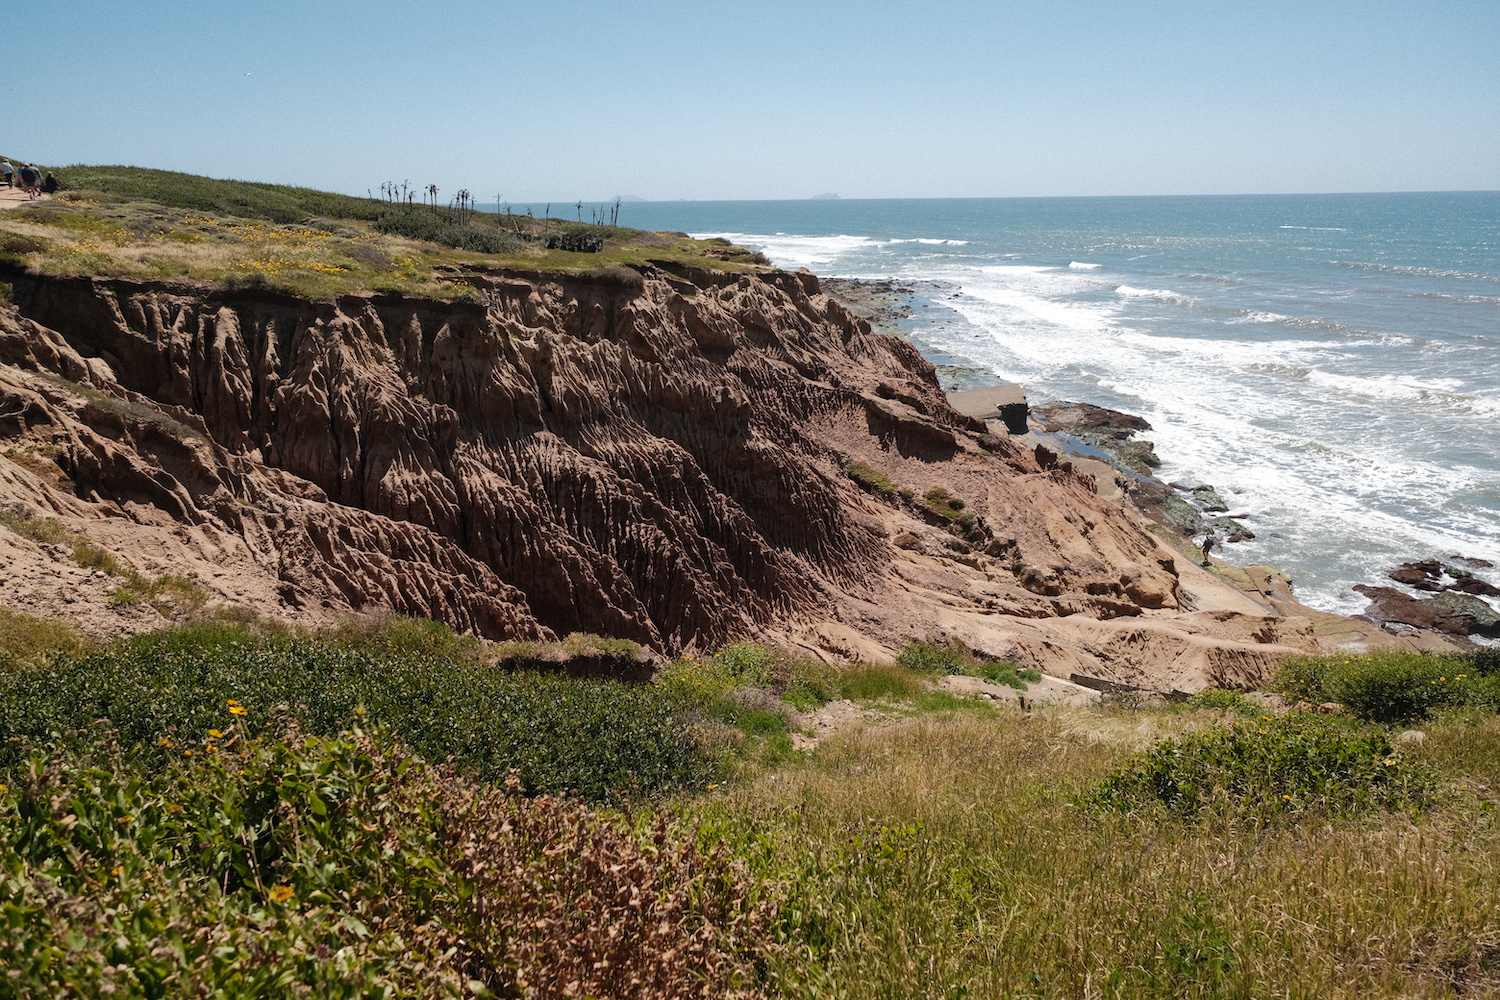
1256 316
1485 406
1389 387
788 250
1352 447
933 242
1159 294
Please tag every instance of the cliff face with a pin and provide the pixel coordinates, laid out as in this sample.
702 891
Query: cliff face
657 456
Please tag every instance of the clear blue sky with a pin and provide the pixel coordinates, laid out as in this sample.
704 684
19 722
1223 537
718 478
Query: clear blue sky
706 100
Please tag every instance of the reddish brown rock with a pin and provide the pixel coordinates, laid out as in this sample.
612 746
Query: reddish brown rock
1452 613
662 460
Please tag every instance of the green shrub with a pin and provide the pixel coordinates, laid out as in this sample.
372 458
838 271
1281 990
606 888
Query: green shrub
598 739
1221 700
869 477
339 868
1267 767
694 683
947 506
1389 687
807 683
1484 662
1000 672
14 245
436 229
750 665
930 658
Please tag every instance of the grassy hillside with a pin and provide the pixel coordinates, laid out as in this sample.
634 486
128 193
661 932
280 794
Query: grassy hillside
134 222
242 199
220 811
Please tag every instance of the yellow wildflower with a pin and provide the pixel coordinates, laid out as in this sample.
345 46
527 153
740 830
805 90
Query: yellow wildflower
281 893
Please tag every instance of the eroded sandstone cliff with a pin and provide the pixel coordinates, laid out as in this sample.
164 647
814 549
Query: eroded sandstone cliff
661 456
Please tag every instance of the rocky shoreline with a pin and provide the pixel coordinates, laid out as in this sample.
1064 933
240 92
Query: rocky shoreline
1197 515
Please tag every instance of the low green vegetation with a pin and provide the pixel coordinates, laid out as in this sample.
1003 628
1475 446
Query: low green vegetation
869 477
162 692
933 658
1220 700
287 864
245 199
143 224
28 641
955 857
366 812
1393 686
1270 766
947 506
423 225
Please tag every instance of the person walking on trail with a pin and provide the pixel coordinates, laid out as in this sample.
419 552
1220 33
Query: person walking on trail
8 172
49 184
31 178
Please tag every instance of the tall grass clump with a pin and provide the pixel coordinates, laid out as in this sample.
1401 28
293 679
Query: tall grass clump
597 739
26 640
867 682
1392 687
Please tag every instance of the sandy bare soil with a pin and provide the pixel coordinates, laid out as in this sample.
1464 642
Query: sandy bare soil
11 197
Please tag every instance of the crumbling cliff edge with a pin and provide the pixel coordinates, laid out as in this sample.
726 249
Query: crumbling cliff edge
672 455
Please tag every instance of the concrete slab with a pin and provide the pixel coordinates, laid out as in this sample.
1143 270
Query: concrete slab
1006 403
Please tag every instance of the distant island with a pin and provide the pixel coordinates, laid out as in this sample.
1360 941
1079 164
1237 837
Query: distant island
825 197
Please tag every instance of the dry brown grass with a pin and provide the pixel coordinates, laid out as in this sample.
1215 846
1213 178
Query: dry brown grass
949 859
564 902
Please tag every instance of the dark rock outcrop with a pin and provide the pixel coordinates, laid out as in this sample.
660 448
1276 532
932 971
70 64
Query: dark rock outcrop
1434 576
1451 613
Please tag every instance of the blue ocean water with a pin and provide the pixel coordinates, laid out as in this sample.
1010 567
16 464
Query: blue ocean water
1330 362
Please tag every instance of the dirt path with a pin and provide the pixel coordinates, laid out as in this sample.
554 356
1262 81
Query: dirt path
11 197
